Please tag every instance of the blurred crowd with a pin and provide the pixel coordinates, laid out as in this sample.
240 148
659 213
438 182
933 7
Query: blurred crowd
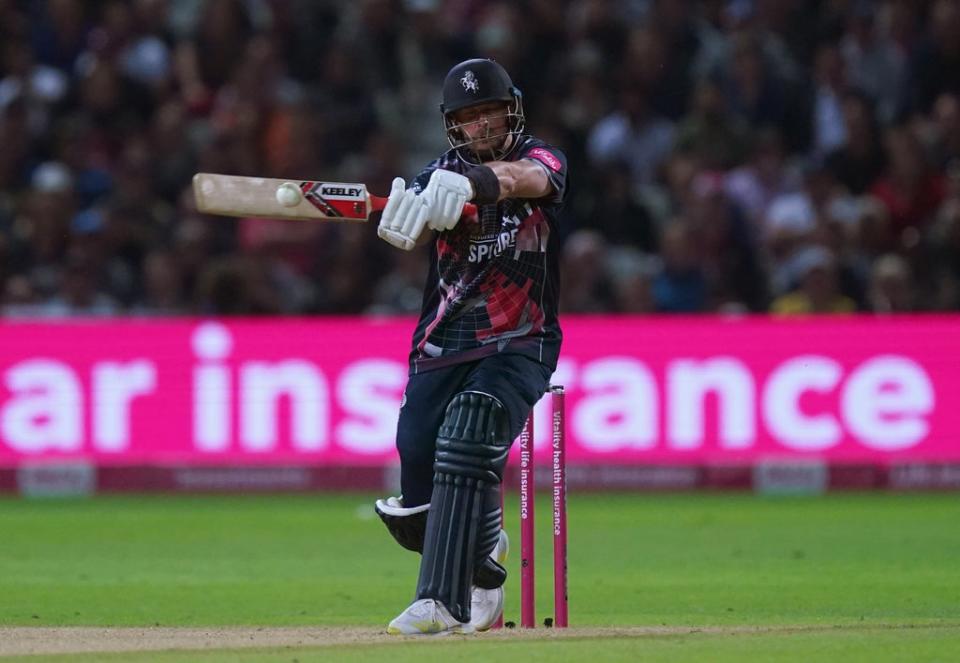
790 156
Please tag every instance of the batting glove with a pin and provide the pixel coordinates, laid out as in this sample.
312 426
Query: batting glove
446 192
404 216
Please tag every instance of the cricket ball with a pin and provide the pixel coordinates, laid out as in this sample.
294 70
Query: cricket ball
288 194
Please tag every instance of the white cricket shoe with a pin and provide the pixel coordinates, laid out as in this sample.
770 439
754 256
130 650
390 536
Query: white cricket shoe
427 617
486 605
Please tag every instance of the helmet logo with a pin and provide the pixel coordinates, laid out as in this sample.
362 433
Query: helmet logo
470 82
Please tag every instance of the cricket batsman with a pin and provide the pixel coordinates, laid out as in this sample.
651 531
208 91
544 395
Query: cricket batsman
484 348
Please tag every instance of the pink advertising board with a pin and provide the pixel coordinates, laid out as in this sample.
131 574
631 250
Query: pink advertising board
659 391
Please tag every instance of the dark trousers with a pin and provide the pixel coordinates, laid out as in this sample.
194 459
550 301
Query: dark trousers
514 380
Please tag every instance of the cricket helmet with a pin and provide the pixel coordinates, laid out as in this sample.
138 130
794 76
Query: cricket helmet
475 82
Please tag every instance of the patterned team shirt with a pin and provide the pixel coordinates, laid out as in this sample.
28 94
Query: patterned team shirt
493 285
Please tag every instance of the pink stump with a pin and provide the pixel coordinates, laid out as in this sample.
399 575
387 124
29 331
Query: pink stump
559 511
528 617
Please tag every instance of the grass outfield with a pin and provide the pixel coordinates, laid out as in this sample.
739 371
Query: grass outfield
719 577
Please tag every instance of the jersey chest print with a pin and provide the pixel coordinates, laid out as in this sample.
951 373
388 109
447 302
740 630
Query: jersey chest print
519 230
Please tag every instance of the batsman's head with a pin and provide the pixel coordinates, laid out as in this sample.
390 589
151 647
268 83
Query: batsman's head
482 110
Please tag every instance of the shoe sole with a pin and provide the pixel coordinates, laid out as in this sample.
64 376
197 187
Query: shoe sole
461 630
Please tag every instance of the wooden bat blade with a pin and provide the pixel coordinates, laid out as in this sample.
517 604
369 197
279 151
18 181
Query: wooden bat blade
235 195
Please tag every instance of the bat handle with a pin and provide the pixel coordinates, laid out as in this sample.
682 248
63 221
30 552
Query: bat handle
377 203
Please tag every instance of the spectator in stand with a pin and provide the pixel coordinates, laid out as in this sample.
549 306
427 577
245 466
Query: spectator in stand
909 187
935 66
196 248
674 23
346 116
647 66
173 155
59 32
39 87
873 61
891 289
777 23
18 156
829 127
944 131
752 90
583 105
401 291
793 221
19 299
617 211
819 288
163 289
764 177
671 198
40 229
945 254
236 285
632 272
212 39
728 253
681 284
860 159
275 252
870 236
633 135
79 293
83 153
587 287
718 139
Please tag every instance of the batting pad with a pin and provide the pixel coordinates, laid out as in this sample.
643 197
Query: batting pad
463 525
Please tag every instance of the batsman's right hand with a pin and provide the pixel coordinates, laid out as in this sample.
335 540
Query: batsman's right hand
404 216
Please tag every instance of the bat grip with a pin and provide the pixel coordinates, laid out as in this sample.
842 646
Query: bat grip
377 203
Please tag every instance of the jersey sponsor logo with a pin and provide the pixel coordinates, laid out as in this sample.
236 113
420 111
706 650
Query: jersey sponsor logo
470 82
490 246
546 157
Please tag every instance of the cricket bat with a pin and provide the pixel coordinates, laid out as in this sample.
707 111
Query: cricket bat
235 195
